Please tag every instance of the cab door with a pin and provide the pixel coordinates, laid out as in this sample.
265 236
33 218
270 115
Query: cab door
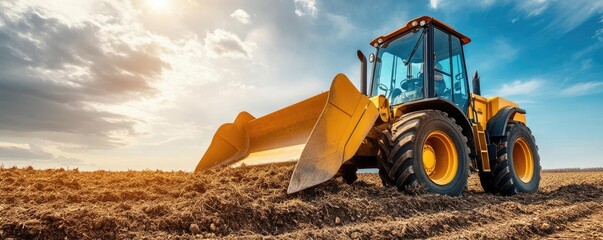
450 75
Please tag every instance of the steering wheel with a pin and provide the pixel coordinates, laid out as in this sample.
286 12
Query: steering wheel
406 83
384 88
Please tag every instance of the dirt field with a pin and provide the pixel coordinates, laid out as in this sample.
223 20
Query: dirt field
252 204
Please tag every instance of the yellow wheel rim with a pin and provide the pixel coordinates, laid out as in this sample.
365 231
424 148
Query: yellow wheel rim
440 159
523 163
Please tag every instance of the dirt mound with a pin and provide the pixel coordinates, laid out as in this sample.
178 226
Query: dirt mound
252 203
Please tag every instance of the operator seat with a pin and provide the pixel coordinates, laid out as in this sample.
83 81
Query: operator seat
396 93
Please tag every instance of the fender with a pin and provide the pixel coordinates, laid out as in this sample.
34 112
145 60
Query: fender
497 125
445 106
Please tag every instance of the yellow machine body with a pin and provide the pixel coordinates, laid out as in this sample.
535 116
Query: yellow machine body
322 132
319 133
486 108
481 110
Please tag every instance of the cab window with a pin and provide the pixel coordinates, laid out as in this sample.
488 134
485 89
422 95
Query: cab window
449 69
399 69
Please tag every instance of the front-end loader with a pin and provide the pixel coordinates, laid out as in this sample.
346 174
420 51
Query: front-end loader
418 124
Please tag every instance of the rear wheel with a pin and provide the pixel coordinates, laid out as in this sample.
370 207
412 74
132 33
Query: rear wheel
516 166
426 151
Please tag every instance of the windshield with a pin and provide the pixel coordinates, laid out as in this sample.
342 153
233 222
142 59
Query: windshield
399 69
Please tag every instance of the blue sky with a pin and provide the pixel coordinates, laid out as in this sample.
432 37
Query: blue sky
143 84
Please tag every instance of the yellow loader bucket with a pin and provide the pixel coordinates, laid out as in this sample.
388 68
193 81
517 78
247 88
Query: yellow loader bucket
319 133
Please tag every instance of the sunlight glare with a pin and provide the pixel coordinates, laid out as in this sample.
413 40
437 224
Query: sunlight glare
158 5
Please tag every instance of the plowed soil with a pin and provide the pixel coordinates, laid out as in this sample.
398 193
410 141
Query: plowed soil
252 204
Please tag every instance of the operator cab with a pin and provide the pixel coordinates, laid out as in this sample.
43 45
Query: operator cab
403 73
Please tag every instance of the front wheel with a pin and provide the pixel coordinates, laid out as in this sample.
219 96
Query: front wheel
515 164
425 150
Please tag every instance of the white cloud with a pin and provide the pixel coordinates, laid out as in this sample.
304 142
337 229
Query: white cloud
28 154
505 50
433 4
303 7
599 35
109 38
241 15
486 3
500 52
532 8
221 43
585 88
72 12
519 87
342 24
585 51
569 15
299 12
71 62
586 64
459 5
559 17
11 151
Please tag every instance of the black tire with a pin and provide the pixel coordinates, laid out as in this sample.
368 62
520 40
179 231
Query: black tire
486 183
504 178
383 164
401 148
385 180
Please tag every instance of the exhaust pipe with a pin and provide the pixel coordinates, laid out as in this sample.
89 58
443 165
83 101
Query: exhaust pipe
476 85
363 64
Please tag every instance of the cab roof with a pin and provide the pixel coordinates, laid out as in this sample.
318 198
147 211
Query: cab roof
427 19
